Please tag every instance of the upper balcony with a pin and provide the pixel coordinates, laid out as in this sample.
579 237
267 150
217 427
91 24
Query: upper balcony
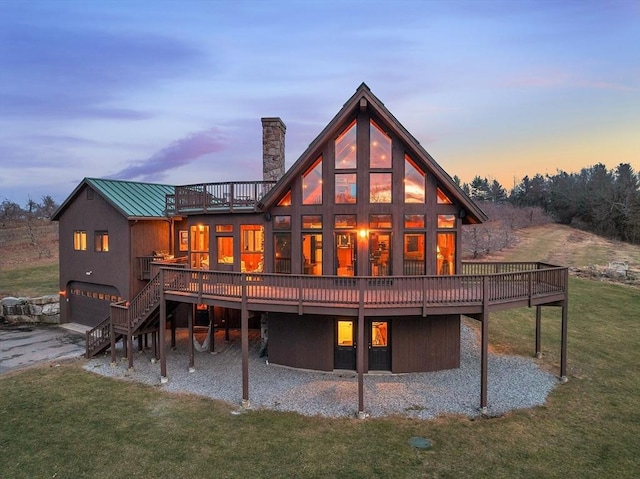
237 196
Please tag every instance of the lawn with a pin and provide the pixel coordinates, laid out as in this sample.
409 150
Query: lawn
65 422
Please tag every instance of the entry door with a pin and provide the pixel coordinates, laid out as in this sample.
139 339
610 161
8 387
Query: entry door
380 254
379 346
345 345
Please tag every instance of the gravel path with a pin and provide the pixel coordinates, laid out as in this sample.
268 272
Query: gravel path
513 382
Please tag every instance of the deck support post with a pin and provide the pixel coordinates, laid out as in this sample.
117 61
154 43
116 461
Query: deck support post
191 316
563 348
538 331
163 327
212 330
244 339
360 348
112 335
129 344
154 344
484 348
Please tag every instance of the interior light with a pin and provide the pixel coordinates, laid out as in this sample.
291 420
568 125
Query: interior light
363 233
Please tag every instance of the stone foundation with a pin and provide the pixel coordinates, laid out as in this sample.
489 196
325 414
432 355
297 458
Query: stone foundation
44 309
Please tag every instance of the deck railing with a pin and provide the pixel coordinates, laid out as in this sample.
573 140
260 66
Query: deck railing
498 283
147 264
220 197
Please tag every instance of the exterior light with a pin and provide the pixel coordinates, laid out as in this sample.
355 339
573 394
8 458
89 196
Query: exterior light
363 233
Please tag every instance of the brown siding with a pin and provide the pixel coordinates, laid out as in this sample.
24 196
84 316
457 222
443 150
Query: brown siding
301 341
425 344
146 237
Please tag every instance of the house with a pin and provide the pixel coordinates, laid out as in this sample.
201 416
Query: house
353 255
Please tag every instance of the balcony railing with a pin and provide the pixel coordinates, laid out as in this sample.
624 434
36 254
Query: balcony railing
146 264
218 197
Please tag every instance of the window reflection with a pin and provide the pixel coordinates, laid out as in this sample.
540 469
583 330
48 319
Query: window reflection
446 221
379 148
346 188
442 198
380 187
312 184
346 148
414 182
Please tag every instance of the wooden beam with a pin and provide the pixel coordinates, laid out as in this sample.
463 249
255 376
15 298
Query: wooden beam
163 327
360 349
191 316
563 348
484 348
244 339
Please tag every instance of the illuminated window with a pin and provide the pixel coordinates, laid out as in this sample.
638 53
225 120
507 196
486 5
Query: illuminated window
199 240
414 254
379 148
80 240
225 249
380 187
379 334
312 184
446 253
311 222
443 199
446 221
345 333
282 253
102 241
380 221
414 182
252 248
413 221
312 254
282 222
345 221
346 148
224 228
346 188
286 199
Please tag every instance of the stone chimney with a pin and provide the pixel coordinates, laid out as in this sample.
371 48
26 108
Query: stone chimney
272 149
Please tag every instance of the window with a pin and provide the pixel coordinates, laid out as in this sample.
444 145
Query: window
413 221
379 147
346 188
443 199
414 254
282 222
345 146
286 199
446 221
312 184
311 222
224 228
446 253
312 254
380 188
380 221
282 253
199 236
414 182
345 333
379 334
252 248
225 249
102 241
80 240
345 221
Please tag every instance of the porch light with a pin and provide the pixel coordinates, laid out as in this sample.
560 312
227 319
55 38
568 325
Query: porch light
363 233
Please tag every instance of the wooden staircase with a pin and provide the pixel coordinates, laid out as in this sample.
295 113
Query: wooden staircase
127 319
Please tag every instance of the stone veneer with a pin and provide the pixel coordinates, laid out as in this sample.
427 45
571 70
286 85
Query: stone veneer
44 309
273 130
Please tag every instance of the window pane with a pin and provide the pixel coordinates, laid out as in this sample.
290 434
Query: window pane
282 252
252 248
345 333
312 184
345 221
380 221
101 241
346 188
380 187
282 222
225 250
379 148
286 199
414 182
312 254
224 228
446 253
80 240
379 334
414 254
346 148
199 235
446 221
443 199
413 221
311 221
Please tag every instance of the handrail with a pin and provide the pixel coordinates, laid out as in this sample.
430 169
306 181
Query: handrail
220 197
96 337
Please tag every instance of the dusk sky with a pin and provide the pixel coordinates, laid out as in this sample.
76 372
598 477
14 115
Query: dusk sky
173 91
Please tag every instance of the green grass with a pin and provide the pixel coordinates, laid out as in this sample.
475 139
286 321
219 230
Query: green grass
68 423
29 282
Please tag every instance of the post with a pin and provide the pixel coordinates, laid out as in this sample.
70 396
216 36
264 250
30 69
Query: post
538 331
360 348
484 349
244 339
191 316
563 351
112 335
212 329
163 326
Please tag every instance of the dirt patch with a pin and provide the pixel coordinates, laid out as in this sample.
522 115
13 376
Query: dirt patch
18 247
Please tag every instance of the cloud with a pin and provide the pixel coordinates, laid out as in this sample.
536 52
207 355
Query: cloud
179 153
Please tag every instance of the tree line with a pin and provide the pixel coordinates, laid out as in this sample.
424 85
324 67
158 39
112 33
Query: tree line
11 213
605 202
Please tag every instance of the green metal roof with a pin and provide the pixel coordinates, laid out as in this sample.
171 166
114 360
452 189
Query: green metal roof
133 199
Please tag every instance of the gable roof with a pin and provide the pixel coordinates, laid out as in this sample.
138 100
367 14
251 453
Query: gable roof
132 199
473 213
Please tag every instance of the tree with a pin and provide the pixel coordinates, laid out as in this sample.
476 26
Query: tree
10 212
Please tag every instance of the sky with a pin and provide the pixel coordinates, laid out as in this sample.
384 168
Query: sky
172 91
